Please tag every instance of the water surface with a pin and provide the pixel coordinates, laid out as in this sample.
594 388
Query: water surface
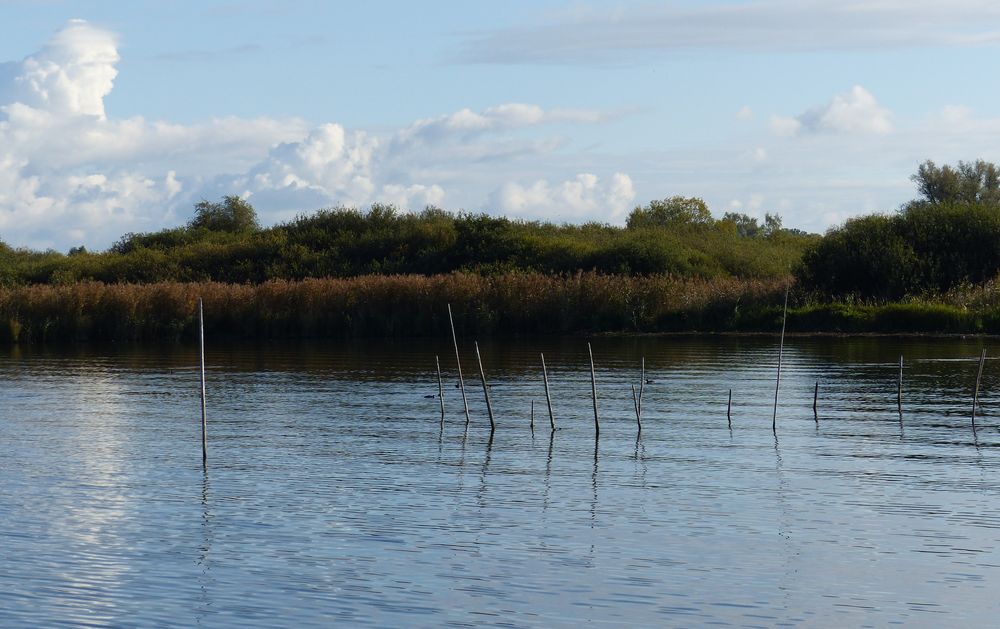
335 495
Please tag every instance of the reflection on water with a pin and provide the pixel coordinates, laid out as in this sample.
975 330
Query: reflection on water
334 493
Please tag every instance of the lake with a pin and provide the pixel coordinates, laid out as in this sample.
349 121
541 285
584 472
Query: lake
334 494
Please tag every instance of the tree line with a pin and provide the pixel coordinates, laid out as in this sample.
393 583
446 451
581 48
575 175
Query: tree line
224 242
946 239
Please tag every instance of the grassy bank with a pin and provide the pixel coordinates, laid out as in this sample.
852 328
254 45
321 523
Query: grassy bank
414 305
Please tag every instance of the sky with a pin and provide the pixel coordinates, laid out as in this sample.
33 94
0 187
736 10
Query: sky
118 117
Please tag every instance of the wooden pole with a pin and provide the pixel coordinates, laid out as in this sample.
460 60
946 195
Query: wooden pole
777 380
486 389
815 399
532 420
642 382
729 410
635 403
548 398
593 389
979 376
458 361
899 387
437 363
204 418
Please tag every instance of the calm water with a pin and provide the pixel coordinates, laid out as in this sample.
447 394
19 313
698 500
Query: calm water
334 496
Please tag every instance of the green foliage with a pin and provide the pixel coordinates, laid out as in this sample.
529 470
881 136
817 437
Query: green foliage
969 183
867 257
949 237
345 242
745 226
672 212
232 214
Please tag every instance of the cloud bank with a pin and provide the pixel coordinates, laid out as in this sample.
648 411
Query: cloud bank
583 36
69 174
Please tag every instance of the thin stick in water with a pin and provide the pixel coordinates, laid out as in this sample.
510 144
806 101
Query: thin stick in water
437 363
815 399
458 361
204 419
532 420
635 403
979 376
593 389
729 410
642 382
777 380
899 387
486 389
548 398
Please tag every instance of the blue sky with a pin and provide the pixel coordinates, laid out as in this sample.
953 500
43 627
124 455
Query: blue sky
118 116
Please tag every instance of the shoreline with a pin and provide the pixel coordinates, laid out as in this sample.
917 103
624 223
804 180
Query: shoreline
505 305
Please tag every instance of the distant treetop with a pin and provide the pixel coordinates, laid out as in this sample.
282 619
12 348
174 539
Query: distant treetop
969 182
232 214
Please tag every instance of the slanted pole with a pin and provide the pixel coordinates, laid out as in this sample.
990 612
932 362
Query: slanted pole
975 396
593 390
486 389
777 380
458 361
642 382
548 398
635 403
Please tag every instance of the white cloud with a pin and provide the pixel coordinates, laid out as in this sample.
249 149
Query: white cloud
417 195
329 161
744 113
785 126
71 75
466 122
853 112
70 175
584 196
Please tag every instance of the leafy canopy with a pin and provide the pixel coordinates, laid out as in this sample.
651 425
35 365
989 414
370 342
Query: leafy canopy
969 182
672 212
232 214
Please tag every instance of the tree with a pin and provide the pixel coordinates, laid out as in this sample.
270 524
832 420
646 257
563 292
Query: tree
672 212
772 224
969 182
232 214
746 226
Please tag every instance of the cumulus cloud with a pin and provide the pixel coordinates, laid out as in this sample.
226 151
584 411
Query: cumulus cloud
71 75
853 112
70 175
328 160
584 196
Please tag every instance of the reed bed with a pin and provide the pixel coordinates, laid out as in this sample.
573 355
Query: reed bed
512 303
380 305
